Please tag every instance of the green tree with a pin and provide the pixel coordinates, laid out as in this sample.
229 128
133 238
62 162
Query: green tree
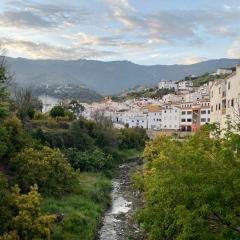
76 107
4 81
93 161
5 207
192 188
57 111
132 138
26 104
29 223
46 167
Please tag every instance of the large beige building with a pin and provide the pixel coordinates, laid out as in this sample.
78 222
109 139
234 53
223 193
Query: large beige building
225 99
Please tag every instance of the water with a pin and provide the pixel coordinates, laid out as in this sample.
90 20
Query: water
117 223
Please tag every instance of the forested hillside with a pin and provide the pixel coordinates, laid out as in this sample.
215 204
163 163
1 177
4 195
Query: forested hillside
106 77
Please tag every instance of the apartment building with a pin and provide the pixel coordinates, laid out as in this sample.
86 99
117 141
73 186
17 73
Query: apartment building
194 115
170 117
225 99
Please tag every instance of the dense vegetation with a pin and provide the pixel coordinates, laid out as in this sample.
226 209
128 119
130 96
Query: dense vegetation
145 93
192 187
55 169
206 78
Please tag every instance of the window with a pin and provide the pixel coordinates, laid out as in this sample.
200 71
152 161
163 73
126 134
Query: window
183 120
203 119
189 112
228 103
216 107
203 112
212 94
208 111
183 112
219 90
211 108
232 103
229 85
219 106
189 120
208 119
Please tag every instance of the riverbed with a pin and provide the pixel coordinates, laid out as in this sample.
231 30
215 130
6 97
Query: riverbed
118 222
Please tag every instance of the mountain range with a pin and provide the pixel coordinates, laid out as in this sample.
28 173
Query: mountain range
105 78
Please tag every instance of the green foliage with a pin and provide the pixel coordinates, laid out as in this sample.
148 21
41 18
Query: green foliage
206 78
192 188
57 111
4 105
82 209
5 207
13 138
25 104
3 142
75 107
91 161
132 138
29 223
146 93
47 168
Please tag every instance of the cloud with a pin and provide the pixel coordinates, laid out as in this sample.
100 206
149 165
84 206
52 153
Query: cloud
169 26
120 4
44 51
30 15
24 19
188 60
234 50
83 39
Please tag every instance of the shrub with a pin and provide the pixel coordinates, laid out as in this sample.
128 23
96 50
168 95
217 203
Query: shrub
5 207
132 138
47 168
29 222
57 111
93 161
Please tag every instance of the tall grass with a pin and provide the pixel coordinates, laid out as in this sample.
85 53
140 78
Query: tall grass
82 210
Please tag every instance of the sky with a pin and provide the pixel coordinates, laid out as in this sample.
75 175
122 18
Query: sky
142 31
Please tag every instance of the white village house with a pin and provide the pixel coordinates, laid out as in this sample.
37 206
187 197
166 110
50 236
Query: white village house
225 99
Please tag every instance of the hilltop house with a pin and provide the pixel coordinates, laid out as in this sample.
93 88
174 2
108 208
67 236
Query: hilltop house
168 84
185 85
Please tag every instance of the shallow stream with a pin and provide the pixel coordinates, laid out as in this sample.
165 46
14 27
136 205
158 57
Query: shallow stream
118 221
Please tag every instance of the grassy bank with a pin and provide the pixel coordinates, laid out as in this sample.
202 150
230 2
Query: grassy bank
82 209
130 153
